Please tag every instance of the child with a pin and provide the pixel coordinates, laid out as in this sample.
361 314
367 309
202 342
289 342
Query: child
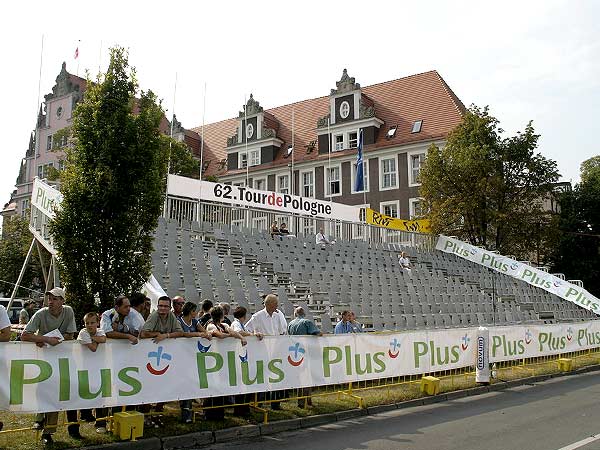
91 336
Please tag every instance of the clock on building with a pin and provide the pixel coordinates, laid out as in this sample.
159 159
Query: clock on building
249 130
59 112
344 109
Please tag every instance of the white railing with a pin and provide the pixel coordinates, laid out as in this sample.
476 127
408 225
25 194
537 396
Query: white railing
186 211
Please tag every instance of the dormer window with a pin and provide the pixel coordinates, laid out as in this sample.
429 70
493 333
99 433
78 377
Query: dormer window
417 126
339 143
352 140
344 109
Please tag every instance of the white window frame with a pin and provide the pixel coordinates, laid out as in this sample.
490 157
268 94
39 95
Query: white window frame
411 206
357 229
344 112
260 223
396 203
410 156
326 189
241 183
241 157
353 176
264 181
351 140
308 226
312 185
49 142
280 188
381 160
334 147
254 159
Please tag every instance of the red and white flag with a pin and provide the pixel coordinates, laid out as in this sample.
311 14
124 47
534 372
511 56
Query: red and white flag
76 53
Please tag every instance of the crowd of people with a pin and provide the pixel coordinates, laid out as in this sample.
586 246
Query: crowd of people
131 319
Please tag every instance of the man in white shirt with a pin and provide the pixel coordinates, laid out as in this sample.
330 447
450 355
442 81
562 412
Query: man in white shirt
269 321
320 238
4 332
404 262
122 321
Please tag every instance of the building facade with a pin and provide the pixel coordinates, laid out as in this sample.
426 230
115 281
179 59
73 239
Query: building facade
309 148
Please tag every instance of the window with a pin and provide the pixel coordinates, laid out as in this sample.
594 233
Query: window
339 142
358 229
260 223
240 183
308 226
283 184
365 176
333 184
308 184
389 175
44 169
260 184
353 140
390 208
415 167
417 126
49 143
243 161
254 159
415 208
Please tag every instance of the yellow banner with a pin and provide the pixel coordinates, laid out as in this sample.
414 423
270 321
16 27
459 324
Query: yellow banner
413 226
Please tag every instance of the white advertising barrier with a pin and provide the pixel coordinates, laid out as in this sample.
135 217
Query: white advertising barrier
519 342
252 198
69 376
563 289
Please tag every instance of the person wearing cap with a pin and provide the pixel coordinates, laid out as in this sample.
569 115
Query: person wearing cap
56 316
27 312
4 333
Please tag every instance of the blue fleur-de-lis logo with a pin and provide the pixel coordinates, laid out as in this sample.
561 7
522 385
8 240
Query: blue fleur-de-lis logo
298 351
159 355
394 349
465 342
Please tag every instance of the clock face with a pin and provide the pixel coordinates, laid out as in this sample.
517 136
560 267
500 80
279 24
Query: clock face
59 112
344 110
249 130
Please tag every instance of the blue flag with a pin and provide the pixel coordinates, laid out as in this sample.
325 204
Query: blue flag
359 182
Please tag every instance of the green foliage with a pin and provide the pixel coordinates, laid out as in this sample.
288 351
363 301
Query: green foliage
182 161
113 190
14 245
212 178
578 252
487 189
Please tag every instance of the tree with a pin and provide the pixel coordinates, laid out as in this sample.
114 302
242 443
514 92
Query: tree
488 189
113 190
182 161
577 254
14 246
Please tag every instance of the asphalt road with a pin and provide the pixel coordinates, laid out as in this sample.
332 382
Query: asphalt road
557 414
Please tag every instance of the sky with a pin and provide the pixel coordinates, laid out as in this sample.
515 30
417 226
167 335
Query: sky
527 60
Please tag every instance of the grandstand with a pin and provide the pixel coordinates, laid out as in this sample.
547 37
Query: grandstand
225 263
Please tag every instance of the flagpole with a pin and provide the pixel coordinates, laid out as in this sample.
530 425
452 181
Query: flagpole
100 57
170 144
293 149
37 109
78 44
328 176
245 131
200 213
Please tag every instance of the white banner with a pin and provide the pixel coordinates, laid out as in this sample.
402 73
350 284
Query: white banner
45 197
531 275
252 198
69 376
519 342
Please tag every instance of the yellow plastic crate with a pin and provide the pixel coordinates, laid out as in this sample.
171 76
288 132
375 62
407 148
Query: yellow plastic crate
430 385
128 425
565 364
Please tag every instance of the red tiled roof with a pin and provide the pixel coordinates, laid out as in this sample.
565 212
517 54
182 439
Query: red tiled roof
400 102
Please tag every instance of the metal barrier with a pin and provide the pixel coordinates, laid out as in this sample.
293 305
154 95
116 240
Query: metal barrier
187 211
